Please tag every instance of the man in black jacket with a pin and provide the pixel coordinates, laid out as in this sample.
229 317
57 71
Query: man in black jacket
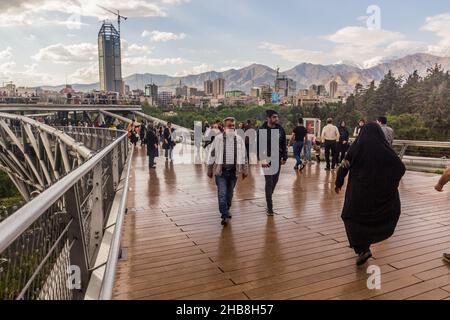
272 168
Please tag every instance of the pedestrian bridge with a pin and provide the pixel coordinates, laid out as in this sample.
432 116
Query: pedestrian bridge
100 225
177 249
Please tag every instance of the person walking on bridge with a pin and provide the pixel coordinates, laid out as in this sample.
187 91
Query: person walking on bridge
344 139
267 155
440 187
169 143
298 138
227 161
330 138
372 204
142 133
152 145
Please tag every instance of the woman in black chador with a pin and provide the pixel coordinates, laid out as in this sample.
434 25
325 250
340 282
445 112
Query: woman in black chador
372 202
152 145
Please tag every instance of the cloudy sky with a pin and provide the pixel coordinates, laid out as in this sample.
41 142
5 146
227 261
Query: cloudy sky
49 41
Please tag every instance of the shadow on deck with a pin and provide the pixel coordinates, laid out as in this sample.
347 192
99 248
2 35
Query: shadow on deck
177 248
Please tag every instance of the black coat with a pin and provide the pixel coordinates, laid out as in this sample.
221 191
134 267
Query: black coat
151 140
283 152
372 203
168 136
344 135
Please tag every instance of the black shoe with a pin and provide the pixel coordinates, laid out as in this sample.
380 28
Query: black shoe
270 212
333 167
302 166
363 257
224 221
295 168
327 169
230 216
446 257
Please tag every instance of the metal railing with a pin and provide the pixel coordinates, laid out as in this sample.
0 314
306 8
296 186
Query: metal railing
420 154
48 248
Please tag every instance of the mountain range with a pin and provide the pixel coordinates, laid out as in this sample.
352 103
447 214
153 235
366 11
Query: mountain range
305 74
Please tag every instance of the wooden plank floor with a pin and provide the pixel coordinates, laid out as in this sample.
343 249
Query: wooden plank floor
177 248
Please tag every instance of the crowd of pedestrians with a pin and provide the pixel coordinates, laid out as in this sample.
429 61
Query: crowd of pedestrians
373 169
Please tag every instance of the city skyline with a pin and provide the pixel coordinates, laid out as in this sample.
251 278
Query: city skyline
45 42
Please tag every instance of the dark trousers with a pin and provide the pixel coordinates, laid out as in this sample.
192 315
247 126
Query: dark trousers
225 189
342 151
151 160
298 148
271 183
330 149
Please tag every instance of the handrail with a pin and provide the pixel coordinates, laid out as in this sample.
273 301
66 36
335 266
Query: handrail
114 252
22 219
69 141
414 143
150 118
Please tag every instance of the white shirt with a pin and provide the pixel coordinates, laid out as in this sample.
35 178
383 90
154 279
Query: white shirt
330 132
229 147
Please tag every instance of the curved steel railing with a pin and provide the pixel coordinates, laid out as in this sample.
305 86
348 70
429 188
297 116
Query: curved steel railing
48 248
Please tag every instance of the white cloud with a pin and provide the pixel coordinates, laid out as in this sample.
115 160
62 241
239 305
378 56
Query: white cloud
202 68
362 46
295 55
6 54
151 62
134 49
30 37
87 74
7 67
440 25
83 52
364 37
368 47
27 77
160 36
65 54
36 12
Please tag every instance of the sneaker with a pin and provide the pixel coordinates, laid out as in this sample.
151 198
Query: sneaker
363 257
446 257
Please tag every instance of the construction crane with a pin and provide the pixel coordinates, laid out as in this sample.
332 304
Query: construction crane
119 17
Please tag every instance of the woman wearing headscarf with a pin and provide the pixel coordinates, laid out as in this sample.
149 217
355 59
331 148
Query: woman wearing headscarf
152 145
372 202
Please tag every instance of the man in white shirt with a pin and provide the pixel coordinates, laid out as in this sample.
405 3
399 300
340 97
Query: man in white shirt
330 138
227 161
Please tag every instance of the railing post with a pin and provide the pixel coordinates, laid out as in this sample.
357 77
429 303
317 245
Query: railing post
97 215
403 151
115 167
76 235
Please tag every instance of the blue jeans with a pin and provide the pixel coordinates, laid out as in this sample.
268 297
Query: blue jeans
298 147
308 148
225 189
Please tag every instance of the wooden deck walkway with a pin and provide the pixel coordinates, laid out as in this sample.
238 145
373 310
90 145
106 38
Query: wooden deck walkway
177 248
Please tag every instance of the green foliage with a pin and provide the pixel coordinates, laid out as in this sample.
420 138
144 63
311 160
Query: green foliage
417 108
7 188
